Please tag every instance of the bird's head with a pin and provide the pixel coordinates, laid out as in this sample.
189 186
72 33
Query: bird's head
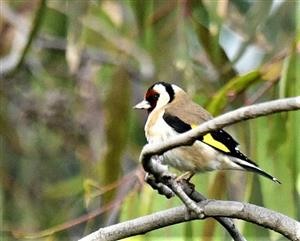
157 96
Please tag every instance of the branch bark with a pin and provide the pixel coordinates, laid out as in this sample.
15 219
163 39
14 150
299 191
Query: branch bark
211 208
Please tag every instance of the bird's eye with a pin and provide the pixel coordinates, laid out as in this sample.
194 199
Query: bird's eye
156 96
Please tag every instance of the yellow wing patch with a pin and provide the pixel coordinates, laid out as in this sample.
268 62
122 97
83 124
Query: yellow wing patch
208 139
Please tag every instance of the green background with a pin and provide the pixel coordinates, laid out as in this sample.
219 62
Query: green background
70 141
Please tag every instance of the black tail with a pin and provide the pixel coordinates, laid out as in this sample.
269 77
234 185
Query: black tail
251 166
256 169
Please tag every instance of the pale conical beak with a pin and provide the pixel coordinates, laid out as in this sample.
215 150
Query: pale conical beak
142 105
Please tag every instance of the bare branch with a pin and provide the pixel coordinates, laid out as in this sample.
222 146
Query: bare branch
190 197
211 208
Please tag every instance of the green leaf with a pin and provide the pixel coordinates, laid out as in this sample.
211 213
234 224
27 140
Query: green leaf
233 87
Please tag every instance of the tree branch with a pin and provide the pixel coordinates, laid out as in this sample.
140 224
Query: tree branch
211 208
166 183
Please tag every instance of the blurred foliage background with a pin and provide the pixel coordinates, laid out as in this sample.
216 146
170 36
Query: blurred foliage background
71 70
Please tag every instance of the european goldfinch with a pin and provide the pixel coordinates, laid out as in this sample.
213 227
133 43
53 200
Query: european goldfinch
171 112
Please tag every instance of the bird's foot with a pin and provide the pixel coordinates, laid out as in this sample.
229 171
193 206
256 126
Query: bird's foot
186 176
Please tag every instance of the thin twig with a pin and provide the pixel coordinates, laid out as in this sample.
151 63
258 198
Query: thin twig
85 217
260 92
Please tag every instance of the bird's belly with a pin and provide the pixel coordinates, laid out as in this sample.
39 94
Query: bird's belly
197 158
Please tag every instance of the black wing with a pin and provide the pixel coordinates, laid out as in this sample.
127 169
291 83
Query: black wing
221 141
217 139
177 124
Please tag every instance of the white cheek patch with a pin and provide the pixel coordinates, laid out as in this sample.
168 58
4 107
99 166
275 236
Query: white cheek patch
164 97
163 100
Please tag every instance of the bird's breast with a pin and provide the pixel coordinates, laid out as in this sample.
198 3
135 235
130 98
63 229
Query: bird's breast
198 157
182 158
156 129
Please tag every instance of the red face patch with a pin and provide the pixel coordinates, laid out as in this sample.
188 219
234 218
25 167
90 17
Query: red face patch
152 97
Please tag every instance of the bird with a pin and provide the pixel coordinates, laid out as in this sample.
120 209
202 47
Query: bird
171 112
